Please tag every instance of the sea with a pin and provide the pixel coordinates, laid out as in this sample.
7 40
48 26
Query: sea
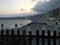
10 23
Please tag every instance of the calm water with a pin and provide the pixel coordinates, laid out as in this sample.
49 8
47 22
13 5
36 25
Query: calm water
9 23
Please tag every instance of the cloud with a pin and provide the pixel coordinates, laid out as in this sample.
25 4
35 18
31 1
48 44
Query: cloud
46 6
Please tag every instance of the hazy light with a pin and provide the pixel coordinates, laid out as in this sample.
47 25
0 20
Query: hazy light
16 6
47 0
44 0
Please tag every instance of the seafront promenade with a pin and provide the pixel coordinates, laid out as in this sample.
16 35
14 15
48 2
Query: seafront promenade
47 33
49 25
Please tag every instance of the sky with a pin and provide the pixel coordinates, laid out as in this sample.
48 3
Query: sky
16 6
46 6
26 7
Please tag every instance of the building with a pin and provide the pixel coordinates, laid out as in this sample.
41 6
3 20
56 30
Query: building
59 12
55 13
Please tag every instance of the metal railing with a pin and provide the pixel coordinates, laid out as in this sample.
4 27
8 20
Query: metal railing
23 39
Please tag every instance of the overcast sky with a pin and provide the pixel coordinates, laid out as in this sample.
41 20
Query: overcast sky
21 7
46 6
